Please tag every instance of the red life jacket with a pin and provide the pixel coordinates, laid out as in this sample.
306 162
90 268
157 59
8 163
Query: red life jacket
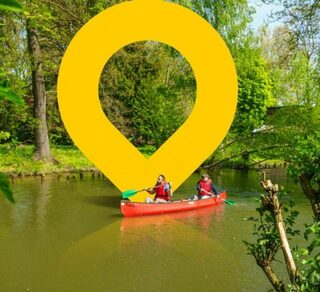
206 186
161 193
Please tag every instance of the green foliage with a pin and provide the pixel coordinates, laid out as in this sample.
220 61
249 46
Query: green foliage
295 76
309 260
148 73
4 136
7 93
147 91
231 19
12 5
147 150
156 115
18 159
267 243
294 93
254 91
5 187
305 158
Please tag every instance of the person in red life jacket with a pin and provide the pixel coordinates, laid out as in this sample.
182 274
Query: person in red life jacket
162 189
205 188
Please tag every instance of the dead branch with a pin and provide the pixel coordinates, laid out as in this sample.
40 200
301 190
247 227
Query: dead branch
271 203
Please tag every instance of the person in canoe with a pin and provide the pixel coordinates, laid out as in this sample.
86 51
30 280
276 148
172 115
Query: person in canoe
162 189
205 188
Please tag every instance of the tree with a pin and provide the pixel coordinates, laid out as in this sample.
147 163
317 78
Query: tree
254 91
297 70
8 93
231 19
42 151
5 90
302 18
147 90
25 26
305 168
271 230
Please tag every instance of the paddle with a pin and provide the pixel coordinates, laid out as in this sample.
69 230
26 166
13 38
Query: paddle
228 202
130 193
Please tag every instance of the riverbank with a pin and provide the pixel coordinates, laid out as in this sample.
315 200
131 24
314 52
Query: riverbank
17 160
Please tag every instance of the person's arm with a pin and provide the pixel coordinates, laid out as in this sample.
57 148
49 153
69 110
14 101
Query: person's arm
150 190
214 189
167 190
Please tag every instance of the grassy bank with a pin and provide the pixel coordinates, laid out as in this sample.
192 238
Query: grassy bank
19 160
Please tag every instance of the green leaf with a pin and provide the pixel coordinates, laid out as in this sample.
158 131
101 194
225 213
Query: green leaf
8 93
12 5
5 188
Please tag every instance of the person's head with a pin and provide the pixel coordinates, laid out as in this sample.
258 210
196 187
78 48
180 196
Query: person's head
161 178
205 177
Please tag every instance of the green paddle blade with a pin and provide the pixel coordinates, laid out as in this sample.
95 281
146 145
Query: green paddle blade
230 202
128 193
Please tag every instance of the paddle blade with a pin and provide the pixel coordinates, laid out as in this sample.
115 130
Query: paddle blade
128 193
230 202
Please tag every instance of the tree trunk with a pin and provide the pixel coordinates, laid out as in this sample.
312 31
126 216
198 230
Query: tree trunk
39 95
311 194
277 284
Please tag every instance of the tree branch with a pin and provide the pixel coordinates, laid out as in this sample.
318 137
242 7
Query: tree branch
271 203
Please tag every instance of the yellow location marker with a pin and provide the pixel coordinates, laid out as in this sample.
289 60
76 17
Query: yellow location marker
94 134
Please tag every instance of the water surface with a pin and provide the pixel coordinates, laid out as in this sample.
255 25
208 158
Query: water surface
70 236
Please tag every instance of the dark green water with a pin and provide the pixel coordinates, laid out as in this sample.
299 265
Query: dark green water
70 236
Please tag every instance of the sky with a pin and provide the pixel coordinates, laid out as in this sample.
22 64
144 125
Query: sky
262 13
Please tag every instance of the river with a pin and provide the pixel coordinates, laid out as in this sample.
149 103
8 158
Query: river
69 235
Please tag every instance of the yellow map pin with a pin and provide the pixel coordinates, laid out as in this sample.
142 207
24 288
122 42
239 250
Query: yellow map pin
94 134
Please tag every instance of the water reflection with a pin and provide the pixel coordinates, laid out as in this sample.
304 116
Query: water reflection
22 214
42 203
106 201
165 247
200 219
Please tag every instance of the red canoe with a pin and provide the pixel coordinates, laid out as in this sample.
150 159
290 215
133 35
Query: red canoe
131 209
